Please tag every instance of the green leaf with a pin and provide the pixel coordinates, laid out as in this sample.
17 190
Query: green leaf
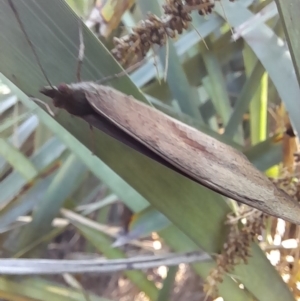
273 55
289 15
36 289
60 188
17 160
166 290
103 244
14 182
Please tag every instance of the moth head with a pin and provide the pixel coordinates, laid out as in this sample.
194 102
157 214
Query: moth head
58 94
69 97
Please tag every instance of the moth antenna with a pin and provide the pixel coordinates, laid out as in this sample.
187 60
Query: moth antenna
81 52
122 73
125 72
232 33
199 34
44 104
13 8
167 59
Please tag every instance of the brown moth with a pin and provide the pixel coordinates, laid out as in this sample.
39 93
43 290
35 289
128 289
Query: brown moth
194 154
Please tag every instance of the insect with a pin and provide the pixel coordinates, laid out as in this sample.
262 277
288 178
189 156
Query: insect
188 151
178 146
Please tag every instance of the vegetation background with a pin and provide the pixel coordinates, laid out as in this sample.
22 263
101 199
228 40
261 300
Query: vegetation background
59 201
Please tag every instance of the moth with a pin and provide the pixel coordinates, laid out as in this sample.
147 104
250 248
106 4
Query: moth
178 146
186 150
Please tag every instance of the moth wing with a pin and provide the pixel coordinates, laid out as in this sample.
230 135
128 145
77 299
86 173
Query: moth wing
205 159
